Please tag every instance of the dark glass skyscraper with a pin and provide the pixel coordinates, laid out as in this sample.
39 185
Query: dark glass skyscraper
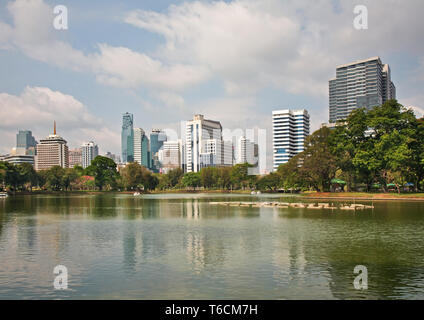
127 138
24 139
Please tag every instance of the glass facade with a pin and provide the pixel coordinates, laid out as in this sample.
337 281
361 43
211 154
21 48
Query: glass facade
24 139
127 138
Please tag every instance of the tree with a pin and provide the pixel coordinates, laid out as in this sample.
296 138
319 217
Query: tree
28 175
132 176
239 176
174 177
149 181
192 180
54 178
289 176
269 182
318 163
209 176
69 177
2 175
103 170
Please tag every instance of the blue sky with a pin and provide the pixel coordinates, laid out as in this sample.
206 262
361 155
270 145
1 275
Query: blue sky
233 61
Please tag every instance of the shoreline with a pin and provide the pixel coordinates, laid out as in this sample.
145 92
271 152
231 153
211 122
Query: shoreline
307 196
365 196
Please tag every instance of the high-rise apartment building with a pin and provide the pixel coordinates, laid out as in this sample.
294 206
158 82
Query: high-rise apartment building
75 157
157 139
290 129
52 151
89 151
141 148
204 145
365 83
127 138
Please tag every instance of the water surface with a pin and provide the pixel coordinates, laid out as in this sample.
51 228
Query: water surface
177 246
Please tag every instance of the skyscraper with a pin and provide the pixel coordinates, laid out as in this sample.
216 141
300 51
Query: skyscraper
127 138
365 83
204 145
157 139
247 151
24 139
52 151
141 148
290 129
25 143
89 151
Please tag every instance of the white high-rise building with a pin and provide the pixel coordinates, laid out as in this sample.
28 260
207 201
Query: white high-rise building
247 151
89 151
198 132
290 129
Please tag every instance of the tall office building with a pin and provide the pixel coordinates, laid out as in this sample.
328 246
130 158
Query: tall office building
141 148
52 151
247 151
204 145
75 157
127 138
24 139
157 139
25 143
365 83
89 151
290 129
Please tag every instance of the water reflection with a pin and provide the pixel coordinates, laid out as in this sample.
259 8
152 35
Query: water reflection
165 246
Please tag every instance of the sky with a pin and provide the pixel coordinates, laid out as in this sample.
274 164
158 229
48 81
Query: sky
164 61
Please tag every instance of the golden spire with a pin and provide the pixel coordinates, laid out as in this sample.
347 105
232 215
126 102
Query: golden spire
55 127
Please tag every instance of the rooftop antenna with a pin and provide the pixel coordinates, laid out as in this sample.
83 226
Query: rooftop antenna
54 128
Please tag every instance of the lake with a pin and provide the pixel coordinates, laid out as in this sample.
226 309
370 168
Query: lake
178 246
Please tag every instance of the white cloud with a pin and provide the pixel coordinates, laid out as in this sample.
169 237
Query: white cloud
292 45
33 33
37 107
122 67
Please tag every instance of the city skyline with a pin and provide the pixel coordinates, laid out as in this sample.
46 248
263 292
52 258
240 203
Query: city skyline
86 79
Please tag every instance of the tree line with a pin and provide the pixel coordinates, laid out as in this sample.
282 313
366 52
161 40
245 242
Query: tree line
375 148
